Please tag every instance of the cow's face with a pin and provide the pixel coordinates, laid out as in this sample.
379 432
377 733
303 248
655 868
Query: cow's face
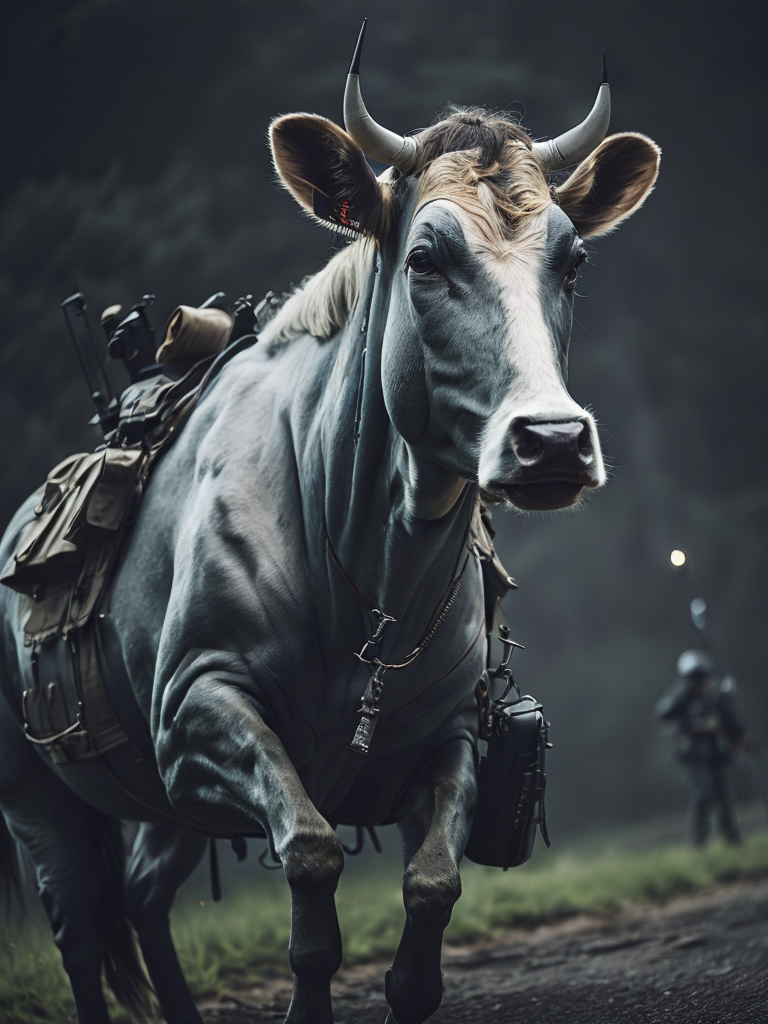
475 351
482 265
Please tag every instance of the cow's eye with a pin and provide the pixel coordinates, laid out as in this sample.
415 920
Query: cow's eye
573 273
420 262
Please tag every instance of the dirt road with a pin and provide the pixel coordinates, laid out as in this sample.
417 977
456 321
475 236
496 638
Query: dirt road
699 960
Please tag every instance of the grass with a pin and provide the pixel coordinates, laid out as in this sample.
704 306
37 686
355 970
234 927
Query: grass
243 940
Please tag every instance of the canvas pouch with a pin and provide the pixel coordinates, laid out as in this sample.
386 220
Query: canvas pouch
83 494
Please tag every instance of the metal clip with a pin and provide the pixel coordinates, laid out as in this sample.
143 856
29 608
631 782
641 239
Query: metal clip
509 646
494 718
379 633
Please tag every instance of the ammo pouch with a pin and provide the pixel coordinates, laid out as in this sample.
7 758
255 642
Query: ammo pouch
64 556
66 712
511 778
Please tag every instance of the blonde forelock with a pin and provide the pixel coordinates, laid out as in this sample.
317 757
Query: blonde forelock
499 198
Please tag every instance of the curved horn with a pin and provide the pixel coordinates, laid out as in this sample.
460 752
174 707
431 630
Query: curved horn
376 142
574 145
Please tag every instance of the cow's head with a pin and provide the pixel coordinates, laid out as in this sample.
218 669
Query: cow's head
482 253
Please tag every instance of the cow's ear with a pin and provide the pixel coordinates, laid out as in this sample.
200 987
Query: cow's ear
610 184
327 173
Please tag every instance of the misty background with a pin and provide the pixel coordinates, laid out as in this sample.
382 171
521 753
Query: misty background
135 160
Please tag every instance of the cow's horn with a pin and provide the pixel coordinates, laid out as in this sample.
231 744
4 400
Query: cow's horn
574 145
376 142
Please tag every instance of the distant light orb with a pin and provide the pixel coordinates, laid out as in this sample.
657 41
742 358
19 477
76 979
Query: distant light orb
677 558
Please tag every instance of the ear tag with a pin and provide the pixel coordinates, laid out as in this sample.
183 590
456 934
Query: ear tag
338 215
346 217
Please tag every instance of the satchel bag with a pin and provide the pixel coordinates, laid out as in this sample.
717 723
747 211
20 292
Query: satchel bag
511 775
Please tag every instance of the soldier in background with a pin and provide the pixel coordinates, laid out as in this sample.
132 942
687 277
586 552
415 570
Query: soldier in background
709 730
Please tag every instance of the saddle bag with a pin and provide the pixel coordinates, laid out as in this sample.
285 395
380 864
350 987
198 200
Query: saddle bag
511 776
64 558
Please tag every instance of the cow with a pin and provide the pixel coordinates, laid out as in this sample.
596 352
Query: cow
299 608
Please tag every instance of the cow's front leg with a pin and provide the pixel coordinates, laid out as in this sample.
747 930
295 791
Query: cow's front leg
435 836
223 765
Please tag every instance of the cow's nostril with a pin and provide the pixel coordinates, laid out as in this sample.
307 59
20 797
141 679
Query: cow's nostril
586 448
526 442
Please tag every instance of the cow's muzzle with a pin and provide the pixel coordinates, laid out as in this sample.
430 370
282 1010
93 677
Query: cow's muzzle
549 464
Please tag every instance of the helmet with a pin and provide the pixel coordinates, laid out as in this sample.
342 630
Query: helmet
694 663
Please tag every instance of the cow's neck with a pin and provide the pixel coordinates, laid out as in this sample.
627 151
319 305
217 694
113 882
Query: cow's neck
431 490
397 521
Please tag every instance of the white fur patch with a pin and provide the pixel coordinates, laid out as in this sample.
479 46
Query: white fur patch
538 391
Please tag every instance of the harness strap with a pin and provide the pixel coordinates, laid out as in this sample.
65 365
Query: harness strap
339 566
438 617
369 710
360 832
222 359
213 864
437 621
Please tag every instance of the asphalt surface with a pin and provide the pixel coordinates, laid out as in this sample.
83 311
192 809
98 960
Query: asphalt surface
698 960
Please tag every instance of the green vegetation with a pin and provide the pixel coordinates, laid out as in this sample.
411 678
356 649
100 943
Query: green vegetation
243 940
552 889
